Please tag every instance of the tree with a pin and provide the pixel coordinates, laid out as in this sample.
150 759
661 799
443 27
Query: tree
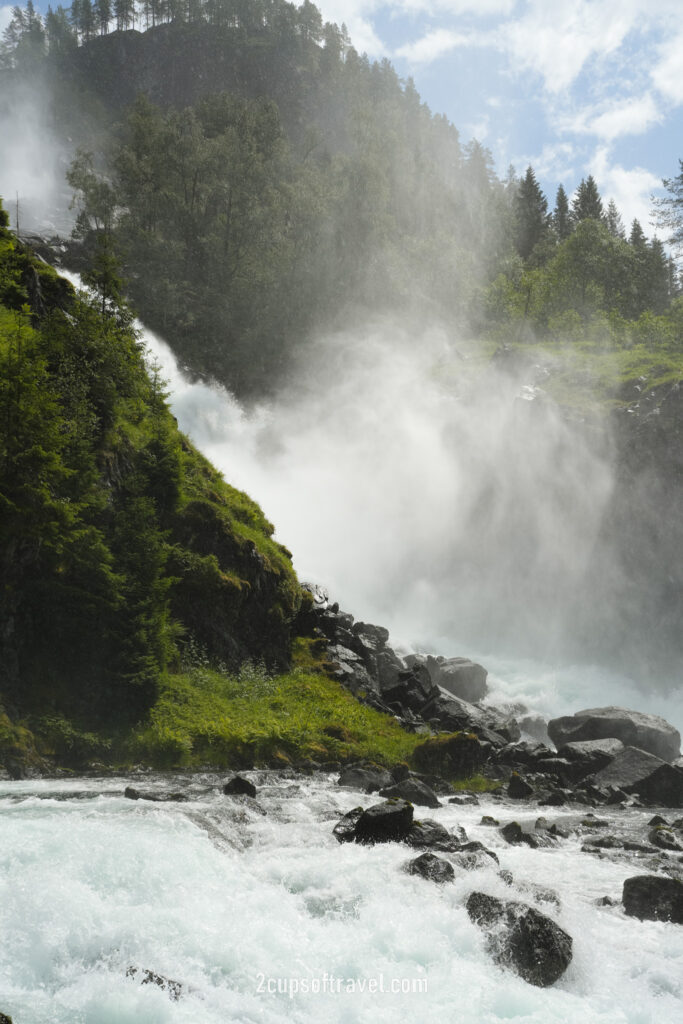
103 14
561 217
531 215
669 210
615 224
587 202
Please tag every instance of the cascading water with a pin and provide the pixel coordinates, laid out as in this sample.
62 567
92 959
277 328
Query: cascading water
250 913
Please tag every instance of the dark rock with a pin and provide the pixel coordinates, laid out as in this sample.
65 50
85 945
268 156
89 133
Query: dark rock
345 829
654 898
518 789
148 794
523 753
433 835
237 786
556 798
431 867
590 756
488 820
664 838
658 820
4 1019
384 822
633 728
174 988
367 779
465 799
514 834
414 791
399 772
635 771
378 634
474 855
459 756
521 938
605 901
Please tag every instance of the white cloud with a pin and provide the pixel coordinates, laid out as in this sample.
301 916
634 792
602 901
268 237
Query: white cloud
555 162
630 188
482 8
557 40
632 116
357 16
667 75
432 46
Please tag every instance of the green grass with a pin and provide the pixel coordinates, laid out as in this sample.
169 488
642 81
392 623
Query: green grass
203 717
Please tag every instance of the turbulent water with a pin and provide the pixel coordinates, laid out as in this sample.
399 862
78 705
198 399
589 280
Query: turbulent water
246 910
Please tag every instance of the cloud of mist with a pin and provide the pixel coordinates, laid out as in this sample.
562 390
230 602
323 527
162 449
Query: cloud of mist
441 499
33 162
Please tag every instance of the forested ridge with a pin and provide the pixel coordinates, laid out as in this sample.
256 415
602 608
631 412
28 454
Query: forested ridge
258 180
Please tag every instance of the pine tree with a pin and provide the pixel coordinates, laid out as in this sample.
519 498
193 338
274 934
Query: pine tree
103 14
669 210
615 224
531 215
561 217
587 202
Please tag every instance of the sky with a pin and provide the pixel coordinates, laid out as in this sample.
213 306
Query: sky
570 87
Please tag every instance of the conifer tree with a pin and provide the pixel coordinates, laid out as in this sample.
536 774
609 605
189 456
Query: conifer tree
587 202
615 224
531 215
561 217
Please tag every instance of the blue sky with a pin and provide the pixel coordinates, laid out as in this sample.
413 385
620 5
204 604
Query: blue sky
573 87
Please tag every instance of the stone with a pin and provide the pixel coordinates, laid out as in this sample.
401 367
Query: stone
634 728
414 791
654 898
345 829
149 794
386 822
432 834
589 756
522 939
474 855
664 839
368 780
4 1019
515 835
635 771
238 786
518 789
431 867
460 677
488 820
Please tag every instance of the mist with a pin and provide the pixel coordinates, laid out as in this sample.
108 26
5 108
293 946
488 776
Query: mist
33 162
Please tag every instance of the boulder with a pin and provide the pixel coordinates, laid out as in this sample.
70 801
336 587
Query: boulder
664 838
633 728
474 855
237 786
4 1019
414 790
635 771
431 867
515 835
345 829
459 756
521 938
518 789
459 676
433 835
386 822
369 780
589 756
654 898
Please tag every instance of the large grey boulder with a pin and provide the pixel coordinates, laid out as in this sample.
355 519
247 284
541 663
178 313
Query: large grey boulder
383 823
414 790
635 771
367 779
633 728
521 938
589 756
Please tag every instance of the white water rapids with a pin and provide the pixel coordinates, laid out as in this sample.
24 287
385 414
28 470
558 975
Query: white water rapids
231 903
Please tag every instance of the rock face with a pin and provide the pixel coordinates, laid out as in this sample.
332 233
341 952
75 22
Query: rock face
521 938
653 898
431 867
459 676
633 728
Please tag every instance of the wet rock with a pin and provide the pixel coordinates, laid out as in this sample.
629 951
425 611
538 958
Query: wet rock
148 794
366 779
459 676
431 867
474 855
654 898
605 901
556 798
174 988
237 786
647 732
515 835
433 835
523 753
459 756
4 1019
413 790
386 822
518 789
345 829
521 938
464 799
657 820
664 839
488 820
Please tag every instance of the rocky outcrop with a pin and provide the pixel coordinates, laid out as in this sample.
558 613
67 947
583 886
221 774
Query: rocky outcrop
654 898
635 771
633 728
459 676
521 938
